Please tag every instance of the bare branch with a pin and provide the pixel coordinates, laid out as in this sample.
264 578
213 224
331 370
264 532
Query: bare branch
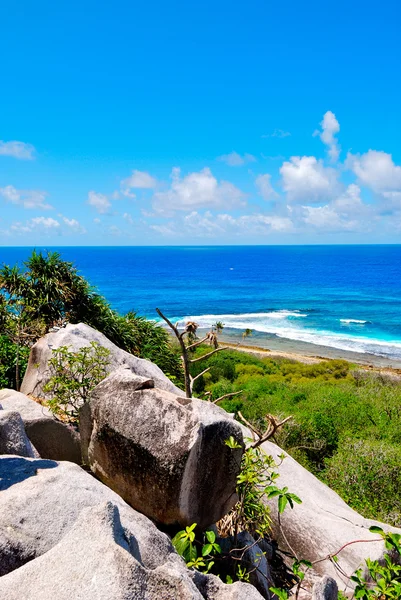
188 391
194 360
227 396
197 343
271 430
193 379
251 427
169 323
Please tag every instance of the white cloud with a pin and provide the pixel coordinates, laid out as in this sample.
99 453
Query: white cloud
330 127
139 179
164 229
263 183
26 198
345 213
265 223
97 220
127 193
277 133
16 149
128 218
323 217
206 224
37 224
306 178
100 202
74 225
197 190
236 160
376 170
46 222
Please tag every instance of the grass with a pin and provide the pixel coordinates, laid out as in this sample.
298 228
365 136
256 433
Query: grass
346 425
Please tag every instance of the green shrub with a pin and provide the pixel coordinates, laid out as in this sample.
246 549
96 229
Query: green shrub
330 408
74 376
8 358
50 291
367 474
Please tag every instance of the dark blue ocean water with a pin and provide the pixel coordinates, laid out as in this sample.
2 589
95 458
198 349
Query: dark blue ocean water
346 297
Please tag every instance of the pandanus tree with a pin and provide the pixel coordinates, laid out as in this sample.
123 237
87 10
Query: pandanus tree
49 291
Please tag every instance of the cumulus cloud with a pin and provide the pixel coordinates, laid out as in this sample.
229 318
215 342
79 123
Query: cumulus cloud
197 190
277 133
139 179
236 160
263 183
330 127
26 198
207 224
40 225
306 178
347 212
16 149
73 225
376 170
100 202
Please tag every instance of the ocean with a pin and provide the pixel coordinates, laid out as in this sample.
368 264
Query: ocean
342 297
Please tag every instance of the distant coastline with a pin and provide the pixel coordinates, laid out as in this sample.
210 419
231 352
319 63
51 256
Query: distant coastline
329 301
303 351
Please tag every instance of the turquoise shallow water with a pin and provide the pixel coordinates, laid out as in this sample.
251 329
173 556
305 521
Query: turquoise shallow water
344 297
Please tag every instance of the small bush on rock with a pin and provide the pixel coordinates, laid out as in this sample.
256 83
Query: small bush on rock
74 375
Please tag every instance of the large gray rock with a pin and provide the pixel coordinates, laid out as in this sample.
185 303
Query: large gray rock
65 535
13 439
322 524
165 455
325 589
250 555
76 337
51 438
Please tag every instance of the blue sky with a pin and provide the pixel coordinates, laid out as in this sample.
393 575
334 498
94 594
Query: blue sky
213 123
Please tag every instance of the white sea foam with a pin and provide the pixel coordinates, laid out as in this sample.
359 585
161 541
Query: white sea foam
284 324
356 321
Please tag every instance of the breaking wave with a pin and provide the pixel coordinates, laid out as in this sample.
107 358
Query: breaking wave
356 321
288 324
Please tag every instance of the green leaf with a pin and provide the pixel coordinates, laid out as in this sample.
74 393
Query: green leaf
191 554
376 529
282 503
281 594
210 536
180 544
207 548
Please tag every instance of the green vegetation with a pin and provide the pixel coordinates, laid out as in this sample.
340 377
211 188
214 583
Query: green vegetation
384 580
255 484
197 554
346 425
73 376
49 291
9 355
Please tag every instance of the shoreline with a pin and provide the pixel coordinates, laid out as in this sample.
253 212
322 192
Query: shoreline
303 351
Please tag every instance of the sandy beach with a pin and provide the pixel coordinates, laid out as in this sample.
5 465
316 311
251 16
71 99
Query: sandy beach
302 351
